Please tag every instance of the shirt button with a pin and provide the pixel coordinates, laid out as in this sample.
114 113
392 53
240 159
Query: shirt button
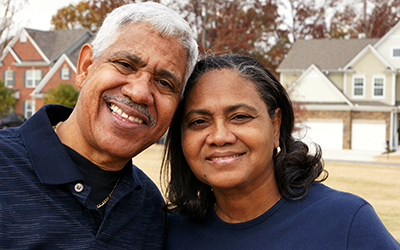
78 187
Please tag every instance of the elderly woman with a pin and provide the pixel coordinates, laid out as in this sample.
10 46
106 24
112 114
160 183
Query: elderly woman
239 180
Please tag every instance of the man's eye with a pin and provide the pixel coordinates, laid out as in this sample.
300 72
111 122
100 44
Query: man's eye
124 64
166 86
165 83
241 117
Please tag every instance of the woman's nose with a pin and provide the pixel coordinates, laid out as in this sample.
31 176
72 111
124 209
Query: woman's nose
221 135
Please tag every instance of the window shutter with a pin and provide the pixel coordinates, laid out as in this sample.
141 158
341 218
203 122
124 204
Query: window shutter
41 77
60 73
13 78
24 78
23 106
4 77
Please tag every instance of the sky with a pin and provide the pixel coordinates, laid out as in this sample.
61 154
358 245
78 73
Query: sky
36 14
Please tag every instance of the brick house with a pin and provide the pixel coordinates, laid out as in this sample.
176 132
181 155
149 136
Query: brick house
35 61
350 89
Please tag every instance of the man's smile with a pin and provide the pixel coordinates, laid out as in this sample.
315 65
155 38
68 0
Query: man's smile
122 115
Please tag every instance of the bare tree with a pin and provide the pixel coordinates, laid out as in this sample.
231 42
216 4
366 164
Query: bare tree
7 11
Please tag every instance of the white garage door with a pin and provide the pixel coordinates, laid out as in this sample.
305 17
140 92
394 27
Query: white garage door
327 133
368 135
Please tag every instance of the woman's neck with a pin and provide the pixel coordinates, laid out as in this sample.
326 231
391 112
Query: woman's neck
235 207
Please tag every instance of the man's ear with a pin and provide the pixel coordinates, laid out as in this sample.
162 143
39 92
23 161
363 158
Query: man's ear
84 63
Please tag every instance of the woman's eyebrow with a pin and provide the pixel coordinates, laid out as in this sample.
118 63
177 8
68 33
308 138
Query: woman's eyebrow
226 110
238 106
198 112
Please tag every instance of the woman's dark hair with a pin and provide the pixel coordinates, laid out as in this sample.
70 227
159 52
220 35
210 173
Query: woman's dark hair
295 168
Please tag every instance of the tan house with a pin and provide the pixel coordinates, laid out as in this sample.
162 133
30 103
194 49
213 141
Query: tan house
349 88
35 61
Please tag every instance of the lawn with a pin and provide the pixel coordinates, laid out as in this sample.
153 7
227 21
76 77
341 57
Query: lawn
378 184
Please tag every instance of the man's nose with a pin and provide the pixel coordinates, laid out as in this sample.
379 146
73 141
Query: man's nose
140 88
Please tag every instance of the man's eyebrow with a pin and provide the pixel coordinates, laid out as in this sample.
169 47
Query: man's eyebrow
138 61
131 57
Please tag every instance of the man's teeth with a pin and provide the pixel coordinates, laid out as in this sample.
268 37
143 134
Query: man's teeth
115 109
222 158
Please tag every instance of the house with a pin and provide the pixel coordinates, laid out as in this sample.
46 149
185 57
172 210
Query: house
35 61
350 89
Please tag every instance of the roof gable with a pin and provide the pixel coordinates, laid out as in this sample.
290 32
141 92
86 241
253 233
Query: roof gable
50 74
314 86
23 32
364 52
7 50
50 45
55 43
326 54
387 35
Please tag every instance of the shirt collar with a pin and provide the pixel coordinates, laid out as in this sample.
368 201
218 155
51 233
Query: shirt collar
49 158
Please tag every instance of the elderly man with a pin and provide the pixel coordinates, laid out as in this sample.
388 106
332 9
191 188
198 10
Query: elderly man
66 176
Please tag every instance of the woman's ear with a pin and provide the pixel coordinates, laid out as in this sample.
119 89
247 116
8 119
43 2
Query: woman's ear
85 61
276 123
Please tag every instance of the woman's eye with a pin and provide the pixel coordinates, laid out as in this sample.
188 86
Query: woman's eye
197 123
241 118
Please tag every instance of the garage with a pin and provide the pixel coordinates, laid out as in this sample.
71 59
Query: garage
328 133
369 135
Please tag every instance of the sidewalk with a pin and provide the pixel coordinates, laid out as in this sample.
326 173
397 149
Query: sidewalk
376 157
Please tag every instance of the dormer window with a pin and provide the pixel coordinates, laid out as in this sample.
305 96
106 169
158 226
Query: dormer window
65 73
396 52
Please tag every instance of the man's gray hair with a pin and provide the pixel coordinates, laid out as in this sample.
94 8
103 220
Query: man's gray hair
161 19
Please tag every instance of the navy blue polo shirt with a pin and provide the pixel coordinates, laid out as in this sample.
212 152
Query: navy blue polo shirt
44 202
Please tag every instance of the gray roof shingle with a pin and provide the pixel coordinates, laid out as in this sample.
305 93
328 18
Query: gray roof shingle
326 54
52 43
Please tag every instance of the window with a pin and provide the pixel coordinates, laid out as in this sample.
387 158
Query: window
9 78
65 73
378 86
396 52
358 86
32 78
29 108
